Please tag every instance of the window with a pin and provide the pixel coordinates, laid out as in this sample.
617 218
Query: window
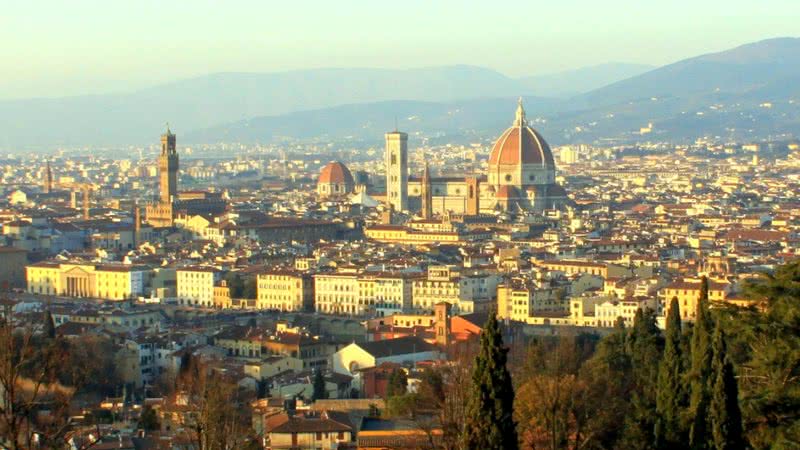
508 177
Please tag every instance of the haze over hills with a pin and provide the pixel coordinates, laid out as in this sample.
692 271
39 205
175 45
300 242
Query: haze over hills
578 81
219 98
456 100
737 71
367 122
203 103
717 94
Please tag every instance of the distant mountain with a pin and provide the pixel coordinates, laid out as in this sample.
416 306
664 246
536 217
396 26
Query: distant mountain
367 122
572 82
220 98
718 94
737 71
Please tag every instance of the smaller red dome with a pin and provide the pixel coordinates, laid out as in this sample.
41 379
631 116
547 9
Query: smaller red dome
335 172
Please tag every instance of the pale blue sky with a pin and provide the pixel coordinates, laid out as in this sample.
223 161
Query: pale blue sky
67 47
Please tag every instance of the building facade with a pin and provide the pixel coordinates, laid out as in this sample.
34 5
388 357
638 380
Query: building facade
195 285
106 281
285 291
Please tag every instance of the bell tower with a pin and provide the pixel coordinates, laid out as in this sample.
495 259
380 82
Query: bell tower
397 170
168 168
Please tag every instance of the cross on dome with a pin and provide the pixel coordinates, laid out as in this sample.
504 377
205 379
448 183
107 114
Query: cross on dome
519 120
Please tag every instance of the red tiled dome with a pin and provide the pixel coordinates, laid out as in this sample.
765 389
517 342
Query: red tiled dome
335 172
521 144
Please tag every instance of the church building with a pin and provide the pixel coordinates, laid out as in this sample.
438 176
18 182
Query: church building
520 179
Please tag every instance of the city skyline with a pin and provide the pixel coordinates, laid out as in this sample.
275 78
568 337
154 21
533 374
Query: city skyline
456 256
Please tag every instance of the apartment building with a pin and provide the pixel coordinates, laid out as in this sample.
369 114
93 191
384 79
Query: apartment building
285 290
195 285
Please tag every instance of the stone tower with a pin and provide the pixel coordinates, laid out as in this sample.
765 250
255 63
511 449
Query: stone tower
442 323
427 196
168 168
397 170
48 179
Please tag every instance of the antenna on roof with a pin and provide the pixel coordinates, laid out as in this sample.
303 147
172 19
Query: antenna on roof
395 123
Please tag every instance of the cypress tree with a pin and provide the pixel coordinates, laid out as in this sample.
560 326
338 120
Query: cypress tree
398 383
724 413
320 392
700 374
49 326
490 407
644 349
671 396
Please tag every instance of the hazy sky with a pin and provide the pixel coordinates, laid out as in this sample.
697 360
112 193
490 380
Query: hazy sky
61 47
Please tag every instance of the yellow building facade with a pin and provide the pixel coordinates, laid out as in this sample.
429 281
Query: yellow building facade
106 281
285 291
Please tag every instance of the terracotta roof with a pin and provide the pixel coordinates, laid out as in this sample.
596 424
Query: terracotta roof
310 422
335 172
521 144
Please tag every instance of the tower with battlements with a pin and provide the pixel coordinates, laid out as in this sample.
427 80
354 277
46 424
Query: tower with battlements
168 168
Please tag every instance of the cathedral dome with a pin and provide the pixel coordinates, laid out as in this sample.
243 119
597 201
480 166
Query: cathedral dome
335 173
521 144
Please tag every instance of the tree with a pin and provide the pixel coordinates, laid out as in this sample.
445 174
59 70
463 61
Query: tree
609 380
644 350
262 388
235 284
320 391
672 397
724 413
250 289
700 373
764 343
34 405
551 407
398 383
490 421
49 325
148 420
215 415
